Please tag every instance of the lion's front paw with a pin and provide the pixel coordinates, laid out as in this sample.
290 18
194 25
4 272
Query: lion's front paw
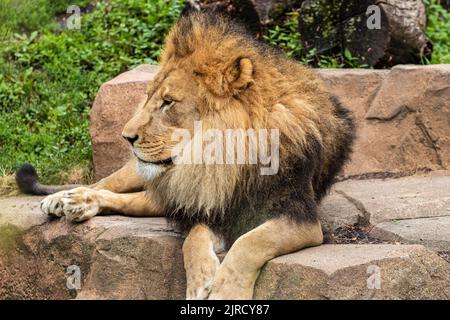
78 204
230 284
200 275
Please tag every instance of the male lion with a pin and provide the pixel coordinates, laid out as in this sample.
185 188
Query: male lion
212 71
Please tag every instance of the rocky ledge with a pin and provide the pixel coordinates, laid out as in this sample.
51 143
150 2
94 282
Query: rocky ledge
140 258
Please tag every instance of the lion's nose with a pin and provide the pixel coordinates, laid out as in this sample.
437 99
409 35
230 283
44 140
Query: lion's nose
131 139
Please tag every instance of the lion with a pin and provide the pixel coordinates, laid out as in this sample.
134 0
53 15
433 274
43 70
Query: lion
214 72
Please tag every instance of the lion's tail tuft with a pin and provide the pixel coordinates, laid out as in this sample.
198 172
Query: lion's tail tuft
28 182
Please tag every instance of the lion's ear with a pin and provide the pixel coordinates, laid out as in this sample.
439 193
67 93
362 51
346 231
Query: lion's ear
239 75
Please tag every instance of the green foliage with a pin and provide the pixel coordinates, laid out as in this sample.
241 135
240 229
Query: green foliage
48 79
286 37
28 15
438 29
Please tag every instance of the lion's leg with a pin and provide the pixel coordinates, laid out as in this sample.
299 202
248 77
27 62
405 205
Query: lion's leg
83 203
126 179
200 261
236 276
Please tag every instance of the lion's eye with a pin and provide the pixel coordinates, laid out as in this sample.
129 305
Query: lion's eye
167 102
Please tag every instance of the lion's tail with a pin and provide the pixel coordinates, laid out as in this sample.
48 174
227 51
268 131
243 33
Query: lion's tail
28 182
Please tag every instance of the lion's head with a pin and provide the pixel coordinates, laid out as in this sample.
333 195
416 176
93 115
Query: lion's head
201 78
212 72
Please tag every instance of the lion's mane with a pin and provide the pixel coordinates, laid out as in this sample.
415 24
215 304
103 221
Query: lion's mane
316 132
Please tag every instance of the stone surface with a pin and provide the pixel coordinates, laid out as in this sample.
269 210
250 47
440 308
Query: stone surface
403 198
336 211
350 272
402 117
119 257
372 201
434 233
140 258
112 108
29 205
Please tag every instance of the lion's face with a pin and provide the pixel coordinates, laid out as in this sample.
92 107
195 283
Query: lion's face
171 104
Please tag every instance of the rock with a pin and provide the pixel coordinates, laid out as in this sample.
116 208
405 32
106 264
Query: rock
22 212
112 108
395 199
402 118
421 97
348 272
135 260
336 211
118 257
434 233
140 258
392 209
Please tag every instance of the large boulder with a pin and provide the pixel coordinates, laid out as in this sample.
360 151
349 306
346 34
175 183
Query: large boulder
113 106
402 118
412 209
380 200
140 258
356 272
432 232
116 257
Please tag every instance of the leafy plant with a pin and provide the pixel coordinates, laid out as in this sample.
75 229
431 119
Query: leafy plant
286 37
438 29
49 78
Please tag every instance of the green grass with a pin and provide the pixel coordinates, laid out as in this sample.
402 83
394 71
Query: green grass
29 15
48 80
